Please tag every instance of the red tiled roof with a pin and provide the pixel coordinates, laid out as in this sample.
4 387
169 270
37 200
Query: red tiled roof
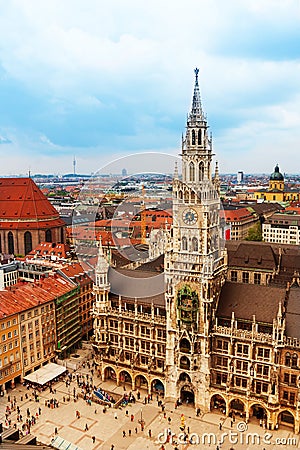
25 295
48 249
237 214
22 200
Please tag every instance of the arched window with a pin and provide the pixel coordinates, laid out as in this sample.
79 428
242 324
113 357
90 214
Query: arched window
195 244
11 246
192 172
48 236
184 243
184 363
193 137
184 346
27 242
294 360
201 171
287 359
180 195
199 137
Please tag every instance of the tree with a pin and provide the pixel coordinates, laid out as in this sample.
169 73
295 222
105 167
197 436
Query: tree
254 233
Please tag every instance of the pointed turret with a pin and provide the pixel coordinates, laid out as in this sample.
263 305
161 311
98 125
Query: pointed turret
196 111
101 269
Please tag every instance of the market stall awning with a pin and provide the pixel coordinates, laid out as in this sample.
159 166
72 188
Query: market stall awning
45 374
62 444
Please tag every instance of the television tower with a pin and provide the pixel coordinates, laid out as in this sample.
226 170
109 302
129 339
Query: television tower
74 166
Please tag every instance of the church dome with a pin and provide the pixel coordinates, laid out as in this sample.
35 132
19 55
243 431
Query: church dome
276 175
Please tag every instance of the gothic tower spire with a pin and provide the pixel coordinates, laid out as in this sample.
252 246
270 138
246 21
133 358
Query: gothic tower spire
196 111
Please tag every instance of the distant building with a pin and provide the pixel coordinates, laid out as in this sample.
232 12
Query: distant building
277 191
240 177
124 173
239 221
282 229
27 218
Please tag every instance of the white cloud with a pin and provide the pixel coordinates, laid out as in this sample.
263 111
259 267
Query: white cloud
80 53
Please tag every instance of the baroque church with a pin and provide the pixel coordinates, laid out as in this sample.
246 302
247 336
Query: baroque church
211 325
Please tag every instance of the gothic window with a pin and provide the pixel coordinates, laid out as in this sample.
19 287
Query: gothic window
294 361
193 137
27 242
184 243
184 346
192 172
195 244
48 236
201 171
11 246
199 138
185 363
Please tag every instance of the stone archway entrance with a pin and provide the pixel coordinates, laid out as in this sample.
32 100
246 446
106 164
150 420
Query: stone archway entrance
285 418
187 396
218 404
125 379
258 413
237 407
157 387
141 382
110 374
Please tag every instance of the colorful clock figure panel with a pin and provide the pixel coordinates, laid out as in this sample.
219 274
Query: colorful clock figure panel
188 305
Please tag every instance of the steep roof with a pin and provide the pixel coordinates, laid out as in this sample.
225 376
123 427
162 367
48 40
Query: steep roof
251 255
247 300
293 313
22 202
25 295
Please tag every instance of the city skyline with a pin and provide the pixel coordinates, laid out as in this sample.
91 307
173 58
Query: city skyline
104 82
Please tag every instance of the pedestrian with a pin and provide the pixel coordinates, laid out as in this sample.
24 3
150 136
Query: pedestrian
220 426
86 427
124 433
129 432
116 415
55 431
112 447
95 410
136 430
150 433
231 423
132 417
93 439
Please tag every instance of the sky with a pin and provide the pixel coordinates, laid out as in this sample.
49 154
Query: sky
100 80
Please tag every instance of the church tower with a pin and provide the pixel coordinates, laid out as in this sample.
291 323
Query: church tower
195 263
102 302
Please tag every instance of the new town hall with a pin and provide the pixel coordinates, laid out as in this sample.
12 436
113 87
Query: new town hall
221 328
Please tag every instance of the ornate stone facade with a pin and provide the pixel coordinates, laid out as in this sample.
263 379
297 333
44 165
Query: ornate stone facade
224 334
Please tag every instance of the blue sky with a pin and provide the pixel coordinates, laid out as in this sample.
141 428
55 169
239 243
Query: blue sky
101 80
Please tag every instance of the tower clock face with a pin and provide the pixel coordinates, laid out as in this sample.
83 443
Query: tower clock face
189 216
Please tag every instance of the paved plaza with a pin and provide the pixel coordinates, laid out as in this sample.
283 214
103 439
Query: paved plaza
107 430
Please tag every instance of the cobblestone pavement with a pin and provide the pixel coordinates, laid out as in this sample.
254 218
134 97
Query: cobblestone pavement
108 430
